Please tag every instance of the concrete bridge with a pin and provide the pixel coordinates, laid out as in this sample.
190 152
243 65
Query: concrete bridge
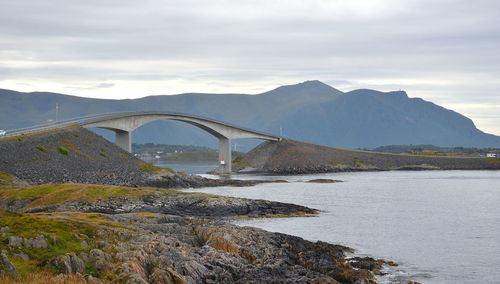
124 123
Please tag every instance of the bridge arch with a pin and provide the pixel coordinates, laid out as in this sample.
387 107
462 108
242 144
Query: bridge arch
124 123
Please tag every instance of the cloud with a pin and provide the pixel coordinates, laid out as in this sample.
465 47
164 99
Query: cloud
95 87
444 51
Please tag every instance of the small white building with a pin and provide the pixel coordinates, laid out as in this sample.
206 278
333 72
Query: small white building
491 155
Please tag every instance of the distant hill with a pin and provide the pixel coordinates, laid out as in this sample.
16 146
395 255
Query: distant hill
310 111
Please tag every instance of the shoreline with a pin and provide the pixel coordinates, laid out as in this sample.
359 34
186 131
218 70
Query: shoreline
289 157
94 211
129 241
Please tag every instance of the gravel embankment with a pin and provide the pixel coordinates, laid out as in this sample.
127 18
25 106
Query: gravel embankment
38 158
294 157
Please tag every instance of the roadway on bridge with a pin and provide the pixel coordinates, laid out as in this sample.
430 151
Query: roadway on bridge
124 123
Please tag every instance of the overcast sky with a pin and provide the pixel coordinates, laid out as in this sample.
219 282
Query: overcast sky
445 51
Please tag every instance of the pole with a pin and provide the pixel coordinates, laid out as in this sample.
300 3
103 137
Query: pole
57 111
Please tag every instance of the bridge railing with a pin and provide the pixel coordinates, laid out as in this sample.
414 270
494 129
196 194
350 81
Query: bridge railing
52 125
119 114
99 117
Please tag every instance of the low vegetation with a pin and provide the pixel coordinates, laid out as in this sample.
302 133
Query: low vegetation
69 145
495 161
150 168
238 163
336 164
5 179
63 150
49 194
431 150
357 161
59 233
41 148
42 278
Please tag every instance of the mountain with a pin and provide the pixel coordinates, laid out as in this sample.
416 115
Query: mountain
310 111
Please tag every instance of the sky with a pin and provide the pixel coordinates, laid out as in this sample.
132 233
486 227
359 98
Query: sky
446 51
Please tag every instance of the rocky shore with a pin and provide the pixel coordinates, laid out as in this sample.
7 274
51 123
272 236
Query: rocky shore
289 157
158 248
69 234
74 208
117 200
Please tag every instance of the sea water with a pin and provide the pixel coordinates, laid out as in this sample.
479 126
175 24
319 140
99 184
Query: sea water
440 226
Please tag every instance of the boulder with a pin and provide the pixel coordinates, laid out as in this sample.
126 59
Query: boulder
100 260
6 266
15 241
39 243
70 263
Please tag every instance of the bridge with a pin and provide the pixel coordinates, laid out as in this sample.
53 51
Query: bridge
125 122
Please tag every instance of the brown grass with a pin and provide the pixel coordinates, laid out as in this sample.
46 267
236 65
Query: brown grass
42 278
48 194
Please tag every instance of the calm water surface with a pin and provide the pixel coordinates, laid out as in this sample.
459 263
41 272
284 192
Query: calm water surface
441 226
189 168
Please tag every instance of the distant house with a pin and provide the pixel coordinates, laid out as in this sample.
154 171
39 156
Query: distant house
491 155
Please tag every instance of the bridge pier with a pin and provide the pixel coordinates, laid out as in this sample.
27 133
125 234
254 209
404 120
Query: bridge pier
224 153
124 123
123 140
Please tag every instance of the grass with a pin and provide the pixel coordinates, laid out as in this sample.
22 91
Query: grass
64 233
63 150
59 233
495 161
54 194
41 278
336 164
237 163
357 161
361 164
49 194
68 145
150 168
41 148
5 178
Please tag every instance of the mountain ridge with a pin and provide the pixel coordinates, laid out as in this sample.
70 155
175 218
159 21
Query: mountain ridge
310 111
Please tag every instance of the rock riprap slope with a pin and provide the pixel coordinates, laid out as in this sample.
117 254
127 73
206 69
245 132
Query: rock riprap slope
75 154
294 157
72 154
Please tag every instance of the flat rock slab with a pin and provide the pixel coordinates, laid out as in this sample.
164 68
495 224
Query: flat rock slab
324 180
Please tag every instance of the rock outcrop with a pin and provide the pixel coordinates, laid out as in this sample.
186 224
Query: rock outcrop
161 248
181 205
6 267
